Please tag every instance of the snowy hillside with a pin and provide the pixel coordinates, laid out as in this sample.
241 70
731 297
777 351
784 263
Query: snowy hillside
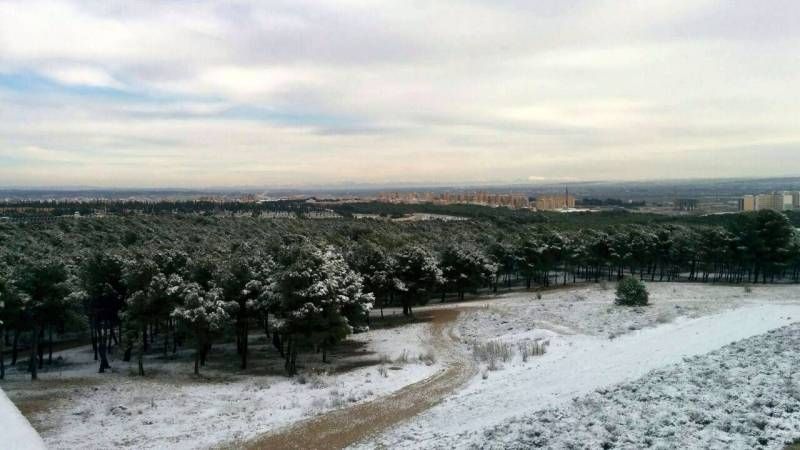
17 433
625 346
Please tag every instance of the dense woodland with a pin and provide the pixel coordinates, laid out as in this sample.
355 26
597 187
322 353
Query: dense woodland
159 282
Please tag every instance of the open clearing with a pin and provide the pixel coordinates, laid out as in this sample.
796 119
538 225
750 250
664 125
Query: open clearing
419 386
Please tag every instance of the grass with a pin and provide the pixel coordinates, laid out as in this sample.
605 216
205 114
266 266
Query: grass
492 353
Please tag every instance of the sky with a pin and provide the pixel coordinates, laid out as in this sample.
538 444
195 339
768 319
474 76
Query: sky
178 93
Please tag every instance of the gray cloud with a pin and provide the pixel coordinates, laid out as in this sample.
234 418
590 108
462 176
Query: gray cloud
280 92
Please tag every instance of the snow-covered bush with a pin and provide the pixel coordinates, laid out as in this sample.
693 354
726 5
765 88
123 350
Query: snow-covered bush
631 292
531 348
492 352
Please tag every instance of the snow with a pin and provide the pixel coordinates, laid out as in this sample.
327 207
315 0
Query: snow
745 395
172 409
577 364
17 433
601 361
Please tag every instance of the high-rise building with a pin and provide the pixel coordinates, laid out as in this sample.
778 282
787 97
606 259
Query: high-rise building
553 202
776 201
747 203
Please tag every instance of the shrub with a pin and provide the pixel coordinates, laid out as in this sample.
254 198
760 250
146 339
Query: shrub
531 348
631 292
492 352
427 358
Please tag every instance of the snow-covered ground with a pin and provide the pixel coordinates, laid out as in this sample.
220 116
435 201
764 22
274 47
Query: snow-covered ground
17 433
598 357
745 395
590 309
592 344
172 409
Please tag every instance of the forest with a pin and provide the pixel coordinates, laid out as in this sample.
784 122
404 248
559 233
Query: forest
149 283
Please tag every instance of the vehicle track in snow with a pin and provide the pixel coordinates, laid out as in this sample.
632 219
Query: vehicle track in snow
343 427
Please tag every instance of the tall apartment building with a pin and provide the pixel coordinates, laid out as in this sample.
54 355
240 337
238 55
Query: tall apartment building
776 201
747 203
447 198
553 202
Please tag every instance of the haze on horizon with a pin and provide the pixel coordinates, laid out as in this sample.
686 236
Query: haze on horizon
206 93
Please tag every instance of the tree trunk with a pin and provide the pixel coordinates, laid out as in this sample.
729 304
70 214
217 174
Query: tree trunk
50 346
140 358
41 349
102 338
34 351
93 326
197 360
278 344
15 348
2 353
245 332
288 356
166 340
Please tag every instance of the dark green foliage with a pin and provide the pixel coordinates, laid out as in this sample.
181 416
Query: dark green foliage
128 275
631 292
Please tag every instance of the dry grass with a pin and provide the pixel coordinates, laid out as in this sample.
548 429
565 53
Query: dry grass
531 348
492 353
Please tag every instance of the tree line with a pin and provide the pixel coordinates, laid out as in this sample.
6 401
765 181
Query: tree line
149 284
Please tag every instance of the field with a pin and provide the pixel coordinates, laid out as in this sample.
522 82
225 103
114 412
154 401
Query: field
564 368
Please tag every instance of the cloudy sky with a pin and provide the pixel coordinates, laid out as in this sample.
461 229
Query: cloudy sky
300 92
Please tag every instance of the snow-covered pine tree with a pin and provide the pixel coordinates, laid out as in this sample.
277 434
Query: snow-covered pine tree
319 296
417 275
203 311
465 268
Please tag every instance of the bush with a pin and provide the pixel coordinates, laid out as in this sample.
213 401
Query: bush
631 292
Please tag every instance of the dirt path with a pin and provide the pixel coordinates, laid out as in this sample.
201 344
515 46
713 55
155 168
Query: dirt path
343 427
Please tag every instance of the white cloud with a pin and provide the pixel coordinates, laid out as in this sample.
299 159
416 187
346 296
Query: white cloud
83 76
391 91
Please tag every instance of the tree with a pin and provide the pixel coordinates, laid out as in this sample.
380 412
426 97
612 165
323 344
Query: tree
4 295
506 261
149 301
376 267
11 310
101 276
417 274
44 300
466 268
247 280
319 297
204 311
631 292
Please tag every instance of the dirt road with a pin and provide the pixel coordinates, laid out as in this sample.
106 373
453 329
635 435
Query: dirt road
340 428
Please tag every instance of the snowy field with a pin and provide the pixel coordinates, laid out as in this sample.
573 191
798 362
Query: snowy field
592 345
77 408
610 376
745 395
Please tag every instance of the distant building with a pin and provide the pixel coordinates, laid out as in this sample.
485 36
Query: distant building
747 203
554 202
510 200
686 204
776 201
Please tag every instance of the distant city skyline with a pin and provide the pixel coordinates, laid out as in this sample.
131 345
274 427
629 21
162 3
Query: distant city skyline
302 93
